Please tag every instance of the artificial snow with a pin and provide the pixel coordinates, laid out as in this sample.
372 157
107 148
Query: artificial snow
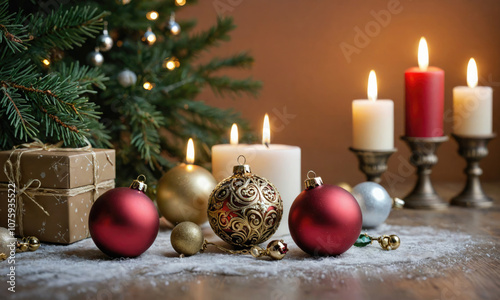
82 263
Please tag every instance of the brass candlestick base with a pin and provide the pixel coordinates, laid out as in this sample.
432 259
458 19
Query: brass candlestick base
424 158
473 149
372 162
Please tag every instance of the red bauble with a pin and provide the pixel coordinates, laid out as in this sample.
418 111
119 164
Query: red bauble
324 219
124 222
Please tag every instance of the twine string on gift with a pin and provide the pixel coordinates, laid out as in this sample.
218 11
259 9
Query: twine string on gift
32 186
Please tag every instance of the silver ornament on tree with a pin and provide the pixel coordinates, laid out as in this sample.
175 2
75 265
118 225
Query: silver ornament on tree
104 41
127 78
149 38
375 203
173 26
95 58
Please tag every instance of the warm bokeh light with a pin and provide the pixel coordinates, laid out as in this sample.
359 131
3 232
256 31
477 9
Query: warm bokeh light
190 152
372 86
171 63
147 85
266 131
472 77
180 2
151 39
119 43
152 15
234 135
46 62
423 54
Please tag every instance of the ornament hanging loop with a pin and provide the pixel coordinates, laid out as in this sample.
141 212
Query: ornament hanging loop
241 168
139 184
244 160
312 182
309 174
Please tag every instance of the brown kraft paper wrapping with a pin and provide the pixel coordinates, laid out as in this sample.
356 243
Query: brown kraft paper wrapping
66 191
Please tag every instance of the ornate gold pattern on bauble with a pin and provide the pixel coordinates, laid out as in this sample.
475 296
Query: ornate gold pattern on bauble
245 209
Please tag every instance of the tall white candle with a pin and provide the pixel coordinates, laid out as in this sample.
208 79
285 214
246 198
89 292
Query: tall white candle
372 120
280 164
472 106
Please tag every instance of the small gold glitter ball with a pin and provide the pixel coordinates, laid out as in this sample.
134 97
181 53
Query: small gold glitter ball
187 238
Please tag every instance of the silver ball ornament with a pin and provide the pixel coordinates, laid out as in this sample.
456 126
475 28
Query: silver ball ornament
95 58
149 38
127 78
374 201
104 41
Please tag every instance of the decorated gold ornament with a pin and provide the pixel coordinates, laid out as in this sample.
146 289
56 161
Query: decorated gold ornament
182 193
187 239
245 209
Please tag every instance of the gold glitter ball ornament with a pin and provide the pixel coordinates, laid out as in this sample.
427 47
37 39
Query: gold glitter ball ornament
245 209
187 238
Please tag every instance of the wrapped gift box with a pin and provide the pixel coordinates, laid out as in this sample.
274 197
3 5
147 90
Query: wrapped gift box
69 183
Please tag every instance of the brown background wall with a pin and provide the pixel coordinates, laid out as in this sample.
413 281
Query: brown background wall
296 45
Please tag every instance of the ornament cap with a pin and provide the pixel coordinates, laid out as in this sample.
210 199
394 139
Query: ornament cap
139 184
312 182
242 168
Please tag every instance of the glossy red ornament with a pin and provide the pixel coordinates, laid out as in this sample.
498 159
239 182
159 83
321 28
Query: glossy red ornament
124 222
324 219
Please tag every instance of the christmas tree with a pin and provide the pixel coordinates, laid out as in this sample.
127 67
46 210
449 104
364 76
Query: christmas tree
37 103
148 108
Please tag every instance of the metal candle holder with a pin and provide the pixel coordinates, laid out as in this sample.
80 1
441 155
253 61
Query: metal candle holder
372 162
473 149
424 158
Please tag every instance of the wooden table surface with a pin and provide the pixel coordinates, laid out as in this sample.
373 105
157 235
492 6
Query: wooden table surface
476 277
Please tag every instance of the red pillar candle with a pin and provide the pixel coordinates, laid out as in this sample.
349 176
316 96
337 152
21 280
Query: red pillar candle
424 97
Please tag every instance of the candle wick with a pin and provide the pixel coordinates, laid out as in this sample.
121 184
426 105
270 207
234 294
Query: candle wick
267 144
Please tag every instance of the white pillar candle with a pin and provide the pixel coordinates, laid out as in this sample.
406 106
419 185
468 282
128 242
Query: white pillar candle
472 106
280 164
372 120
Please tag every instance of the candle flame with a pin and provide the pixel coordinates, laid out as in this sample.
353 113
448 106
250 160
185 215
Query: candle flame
234 135
266 131
372 86
190 152
472 73
423 54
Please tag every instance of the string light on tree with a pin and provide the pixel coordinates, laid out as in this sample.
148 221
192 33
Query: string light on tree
123 2
152 15
148 85
179 2
46 62
171 63
149 37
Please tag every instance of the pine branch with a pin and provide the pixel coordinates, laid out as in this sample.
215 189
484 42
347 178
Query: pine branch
65 28
241 60
14 33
